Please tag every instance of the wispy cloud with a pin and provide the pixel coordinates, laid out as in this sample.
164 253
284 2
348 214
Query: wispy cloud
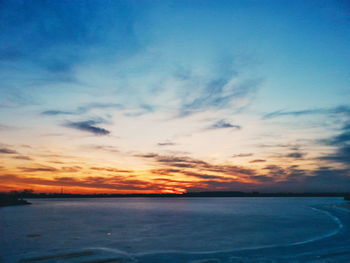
167 143
49 169
280 113
341 155
258 161
88 126
37 169
106 148
13 97
111 169
222 92
232 177
222 124
57 112
83 109
22 157
92 182
242 155
7 151
296 155
197 165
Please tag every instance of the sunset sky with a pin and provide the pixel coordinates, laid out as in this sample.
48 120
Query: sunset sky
174 96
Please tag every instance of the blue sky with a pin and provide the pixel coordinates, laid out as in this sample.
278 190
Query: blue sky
257 85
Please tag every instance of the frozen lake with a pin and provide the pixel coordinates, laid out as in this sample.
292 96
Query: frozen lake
143 228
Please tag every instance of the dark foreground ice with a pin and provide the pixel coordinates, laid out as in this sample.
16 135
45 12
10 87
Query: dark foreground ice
188 230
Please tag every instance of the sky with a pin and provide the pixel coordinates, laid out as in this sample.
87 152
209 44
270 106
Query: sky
174 96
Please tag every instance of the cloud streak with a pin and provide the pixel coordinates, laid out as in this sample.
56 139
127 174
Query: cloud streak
116 183
168 143
7 151
221 92
222 124
280 113
83 109
191 166
88 126
341 142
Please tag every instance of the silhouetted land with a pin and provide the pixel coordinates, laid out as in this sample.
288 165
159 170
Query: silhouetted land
347 197
10 199
31 194
16 197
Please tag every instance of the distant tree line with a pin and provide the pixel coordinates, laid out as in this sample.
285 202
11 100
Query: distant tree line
28 193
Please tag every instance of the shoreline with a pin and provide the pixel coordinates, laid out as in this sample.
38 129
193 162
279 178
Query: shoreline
12 201
180 195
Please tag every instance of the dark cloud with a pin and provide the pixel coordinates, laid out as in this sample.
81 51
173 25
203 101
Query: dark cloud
37 169
179 160
341 155
110 169
97 182
337 110
320 180
296 155
147 155
226 177
209 177
199 167
215 185
290 146
341 142
7 151
49 169
22 157
333 179
166 144
276 171
242 155
206 176
346 126
258 161
341 138
264 178
222 124
165 171
88 126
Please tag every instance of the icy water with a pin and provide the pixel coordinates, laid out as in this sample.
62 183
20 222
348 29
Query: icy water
176 230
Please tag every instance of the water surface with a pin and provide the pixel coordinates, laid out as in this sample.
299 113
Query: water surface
163 225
